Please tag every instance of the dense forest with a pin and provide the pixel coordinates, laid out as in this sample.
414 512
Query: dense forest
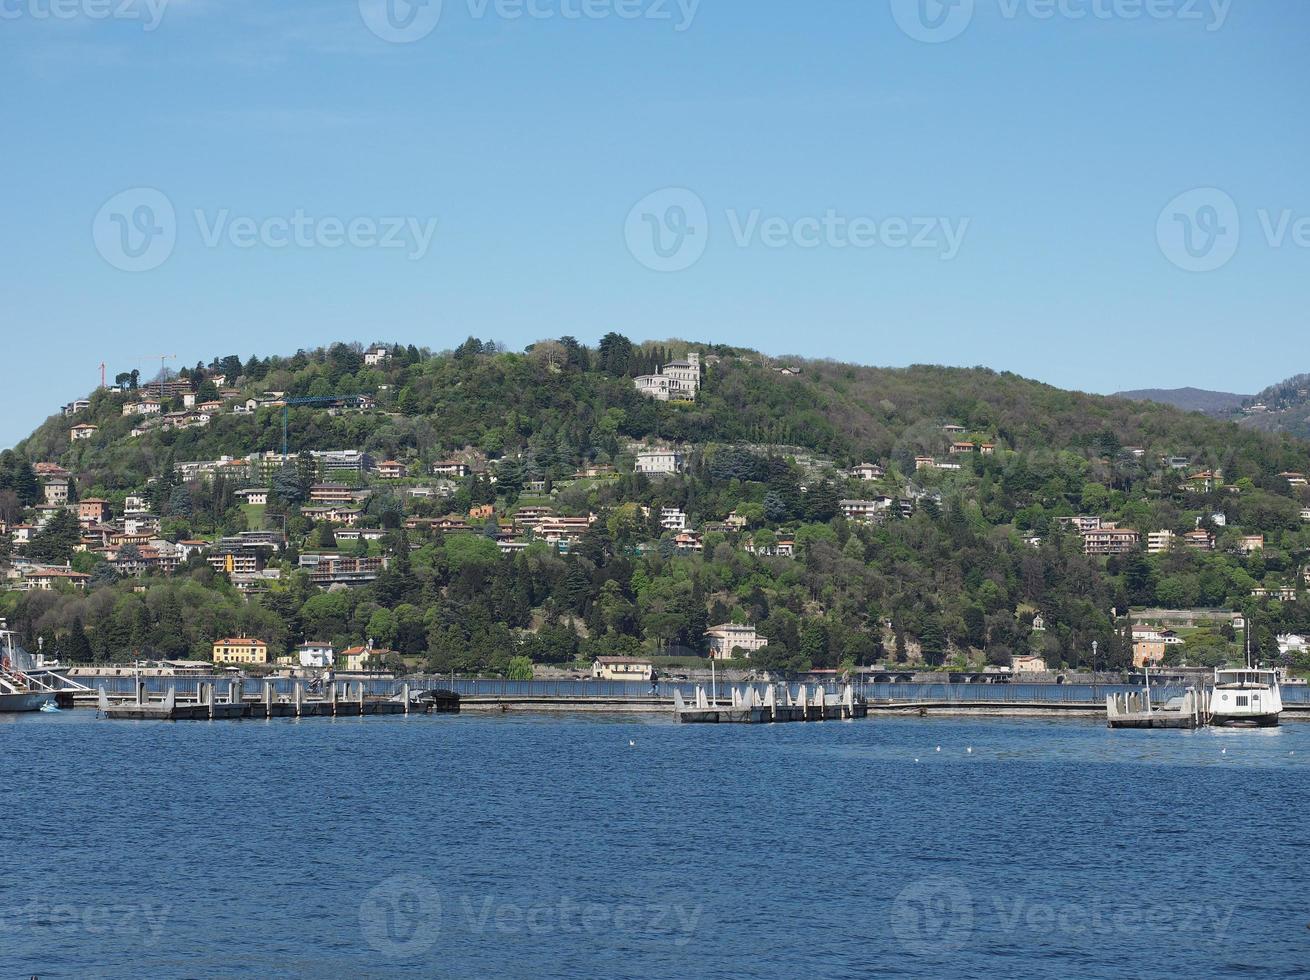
957 573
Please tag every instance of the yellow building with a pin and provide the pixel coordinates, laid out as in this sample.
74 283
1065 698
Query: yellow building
621 669
240 650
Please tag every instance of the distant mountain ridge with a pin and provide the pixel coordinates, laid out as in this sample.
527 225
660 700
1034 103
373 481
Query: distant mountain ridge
1217 403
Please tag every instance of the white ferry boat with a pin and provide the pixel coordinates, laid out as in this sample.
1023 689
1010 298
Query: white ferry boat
1245 696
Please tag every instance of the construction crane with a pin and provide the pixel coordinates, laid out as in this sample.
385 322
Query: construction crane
348 400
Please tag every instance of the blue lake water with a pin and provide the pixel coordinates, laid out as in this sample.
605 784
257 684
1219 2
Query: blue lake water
536 846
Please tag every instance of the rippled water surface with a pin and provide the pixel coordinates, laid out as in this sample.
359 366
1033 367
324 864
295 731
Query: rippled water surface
539 846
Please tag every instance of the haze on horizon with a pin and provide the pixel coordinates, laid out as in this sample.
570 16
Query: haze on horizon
214 176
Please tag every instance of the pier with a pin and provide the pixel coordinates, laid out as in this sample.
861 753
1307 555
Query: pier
749 706
227 700
1134 709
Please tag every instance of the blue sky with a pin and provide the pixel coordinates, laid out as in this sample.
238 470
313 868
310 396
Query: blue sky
834 179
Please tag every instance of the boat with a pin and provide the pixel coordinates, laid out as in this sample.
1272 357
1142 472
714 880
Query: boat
1245 696
18 691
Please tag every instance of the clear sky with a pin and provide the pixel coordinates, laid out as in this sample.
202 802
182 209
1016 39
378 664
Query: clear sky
992 182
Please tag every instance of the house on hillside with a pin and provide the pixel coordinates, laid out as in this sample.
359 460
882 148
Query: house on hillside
659 462
866 471
1110 541
677 380
724 640
81 431
391 470
377 355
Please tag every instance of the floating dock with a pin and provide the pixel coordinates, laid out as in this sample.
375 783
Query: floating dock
1133 709
208 704
751 707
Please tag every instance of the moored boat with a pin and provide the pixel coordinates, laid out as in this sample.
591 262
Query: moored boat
1245 696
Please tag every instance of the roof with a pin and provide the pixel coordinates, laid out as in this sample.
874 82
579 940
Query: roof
623 660
240 641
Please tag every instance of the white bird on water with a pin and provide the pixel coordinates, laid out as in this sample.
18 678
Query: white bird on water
969 750
631 744
939 748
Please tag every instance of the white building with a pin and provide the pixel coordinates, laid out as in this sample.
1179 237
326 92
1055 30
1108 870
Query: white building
320 655
675 380
377 355
1291 643
1158 542
660 462
727 638
867 471
673 519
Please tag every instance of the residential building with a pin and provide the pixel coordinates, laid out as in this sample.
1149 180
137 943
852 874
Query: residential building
1083 523
1204 482
82 431
673 519
1283 593
357 660
726 639
1297 480
254 496
677 380
148 406
240 650
867 471
1292 643
93 510
1158 542
660 462
55 490
924 463
78 405
866 511
391 470
320 655
377 355
1027 663
962 447
1199 540
1110 541
331 493
451 468
688 542
1249 544
621 669
1148 646
953 430
735 522
1305 513
46 579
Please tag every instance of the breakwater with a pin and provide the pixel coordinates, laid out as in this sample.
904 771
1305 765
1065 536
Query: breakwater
495 694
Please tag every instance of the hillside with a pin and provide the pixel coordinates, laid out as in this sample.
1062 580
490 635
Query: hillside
1220 404
1284 407
486 509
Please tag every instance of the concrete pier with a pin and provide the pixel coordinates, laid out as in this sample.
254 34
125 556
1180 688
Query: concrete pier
343 699
750 706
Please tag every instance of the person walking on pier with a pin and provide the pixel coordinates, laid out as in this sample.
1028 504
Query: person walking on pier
654 682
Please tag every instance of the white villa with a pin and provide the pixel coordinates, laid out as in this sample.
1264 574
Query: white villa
677 380
659 461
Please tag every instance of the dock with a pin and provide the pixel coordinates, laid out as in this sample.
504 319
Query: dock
1133 709
749 706
215 701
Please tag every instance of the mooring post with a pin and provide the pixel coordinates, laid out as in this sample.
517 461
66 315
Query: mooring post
404 690
299 696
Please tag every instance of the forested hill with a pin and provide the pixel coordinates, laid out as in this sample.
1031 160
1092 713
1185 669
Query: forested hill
1220 404
562 401
482 509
